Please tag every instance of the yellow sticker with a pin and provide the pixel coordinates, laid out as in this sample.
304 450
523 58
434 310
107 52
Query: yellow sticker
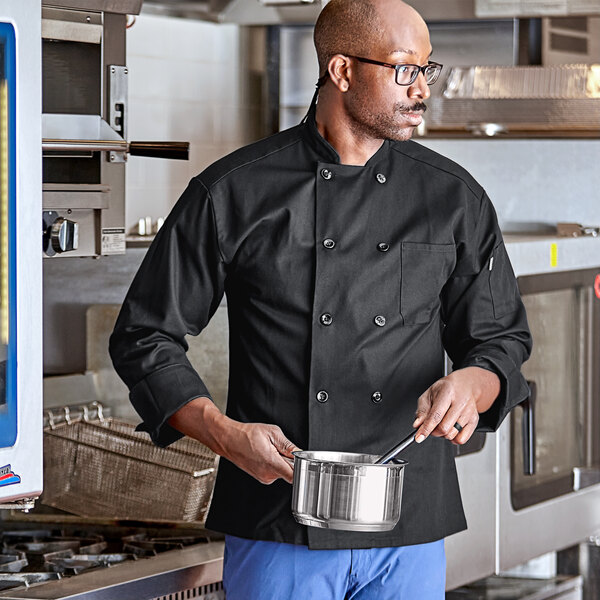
554 255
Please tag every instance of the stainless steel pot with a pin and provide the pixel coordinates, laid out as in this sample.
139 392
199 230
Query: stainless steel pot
343 490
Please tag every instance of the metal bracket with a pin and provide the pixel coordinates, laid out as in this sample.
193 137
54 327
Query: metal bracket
117 106
25 504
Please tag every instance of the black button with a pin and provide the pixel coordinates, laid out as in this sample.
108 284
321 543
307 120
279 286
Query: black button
328 243
376 397
381 178
326 319
379 320
383 247
322 396
326 174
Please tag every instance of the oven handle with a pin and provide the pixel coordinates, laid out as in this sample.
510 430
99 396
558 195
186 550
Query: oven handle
84 145
528 429
172 150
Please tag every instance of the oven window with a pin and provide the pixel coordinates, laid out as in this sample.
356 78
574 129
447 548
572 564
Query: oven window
561 318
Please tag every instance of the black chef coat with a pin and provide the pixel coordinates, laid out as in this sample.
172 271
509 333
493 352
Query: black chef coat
344 284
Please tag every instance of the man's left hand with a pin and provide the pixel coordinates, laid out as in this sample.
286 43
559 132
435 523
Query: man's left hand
457 398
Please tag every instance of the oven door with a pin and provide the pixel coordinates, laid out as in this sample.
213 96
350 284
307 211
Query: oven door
20 261
549 453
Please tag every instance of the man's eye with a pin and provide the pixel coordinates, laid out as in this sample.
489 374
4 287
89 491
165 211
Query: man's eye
404 68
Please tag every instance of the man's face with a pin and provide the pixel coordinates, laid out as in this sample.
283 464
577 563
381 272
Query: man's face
379 108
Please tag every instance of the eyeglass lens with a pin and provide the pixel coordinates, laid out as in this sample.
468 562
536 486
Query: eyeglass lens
407 74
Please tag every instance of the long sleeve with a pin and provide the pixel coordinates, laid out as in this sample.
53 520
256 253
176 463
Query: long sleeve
485 320
175 292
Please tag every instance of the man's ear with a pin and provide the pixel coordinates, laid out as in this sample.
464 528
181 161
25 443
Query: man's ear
340 71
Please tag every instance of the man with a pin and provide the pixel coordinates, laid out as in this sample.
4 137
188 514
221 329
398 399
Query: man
351 257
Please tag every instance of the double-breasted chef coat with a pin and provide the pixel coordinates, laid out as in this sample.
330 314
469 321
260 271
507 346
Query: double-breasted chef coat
344 286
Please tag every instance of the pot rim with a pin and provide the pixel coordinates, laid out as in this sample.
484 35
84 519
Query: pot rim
398 463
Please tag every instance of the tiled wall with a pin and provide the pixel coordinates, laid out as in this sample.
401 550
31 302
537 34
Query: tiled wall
189 81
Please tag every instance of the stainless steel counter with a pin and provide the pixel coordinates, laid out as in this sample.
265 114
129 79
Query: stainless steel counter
531 254
167 573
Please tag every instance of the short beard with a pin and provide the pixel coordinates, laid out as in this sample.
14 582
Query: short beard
366 124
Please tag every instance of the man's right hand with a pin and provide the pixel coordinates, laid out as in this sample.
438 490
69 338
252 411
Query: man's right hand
261 450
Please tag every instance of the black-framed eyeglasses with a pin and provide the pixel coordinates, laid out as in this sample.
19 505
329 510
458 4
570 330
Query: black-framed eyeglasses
406 74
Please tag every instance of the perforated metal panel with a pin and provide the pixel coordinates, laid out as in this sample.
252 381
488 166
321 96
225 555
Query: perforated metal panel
212 591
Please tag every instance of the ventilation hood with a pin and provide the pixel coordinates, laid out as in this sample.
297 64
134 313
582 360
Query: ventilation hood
241 12
278 12
561 100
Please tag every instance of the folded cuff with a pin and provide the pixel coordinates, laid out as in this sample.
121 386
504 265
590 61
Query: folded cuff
513 389
161 394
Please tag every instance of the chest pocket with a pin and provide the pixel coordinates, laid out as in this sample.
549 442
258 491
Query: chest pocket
425 270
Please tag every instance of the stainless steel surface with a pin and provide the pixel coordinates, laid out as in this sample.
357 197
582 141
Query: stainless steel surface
84 145
531 254
70 25
272 12
25 456
106 468
576 230
348 491
118 109
167 573
125 7
534 8
75 196
471 554
499 537
76 136
510 588
563 98
564 317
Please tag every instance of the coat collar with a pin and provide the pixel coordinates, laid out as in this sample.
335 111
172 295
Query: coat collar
326 152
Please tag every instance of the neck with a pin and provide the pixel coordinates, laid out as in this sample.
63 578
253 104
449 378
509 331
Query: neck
333 124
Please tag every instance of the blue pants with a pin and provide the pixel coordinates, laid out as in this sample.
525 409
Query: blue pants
255 570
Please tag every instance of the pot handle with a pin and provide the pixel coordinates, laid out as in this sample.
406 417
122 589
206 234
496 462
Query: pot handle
390 454
405 443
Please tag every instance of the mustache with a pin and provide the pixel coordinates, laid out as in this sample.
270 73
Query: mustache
405 108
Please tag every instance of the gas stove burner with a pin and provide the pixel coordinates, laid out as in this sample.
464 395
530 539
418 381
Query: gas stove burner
69 563
13 562
141 544
11 580
44 541
31 556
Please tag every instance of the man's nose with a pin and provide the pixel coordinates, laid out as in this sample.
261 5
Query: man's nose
419 89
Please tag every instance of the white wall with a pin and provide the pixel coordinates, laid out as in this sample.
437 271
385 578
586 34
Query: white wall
184 85
533 181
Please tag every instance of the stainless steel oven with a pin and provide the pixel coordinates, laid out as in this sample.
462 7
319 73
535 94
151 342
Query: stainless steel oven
533 487
20 261
85 113
549 456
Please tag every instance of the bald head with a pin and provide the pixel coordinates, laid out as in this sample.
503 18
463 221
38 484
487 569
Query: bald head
361 27
345 27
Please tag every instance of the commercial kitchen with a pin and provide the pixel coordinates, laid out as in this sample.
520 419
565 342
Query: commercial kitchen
107 109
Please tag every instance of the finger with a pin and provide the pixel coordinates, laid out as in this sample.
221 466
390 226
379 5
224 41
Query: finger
467 431
423 406
285 468
447 427
284 446
440 404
